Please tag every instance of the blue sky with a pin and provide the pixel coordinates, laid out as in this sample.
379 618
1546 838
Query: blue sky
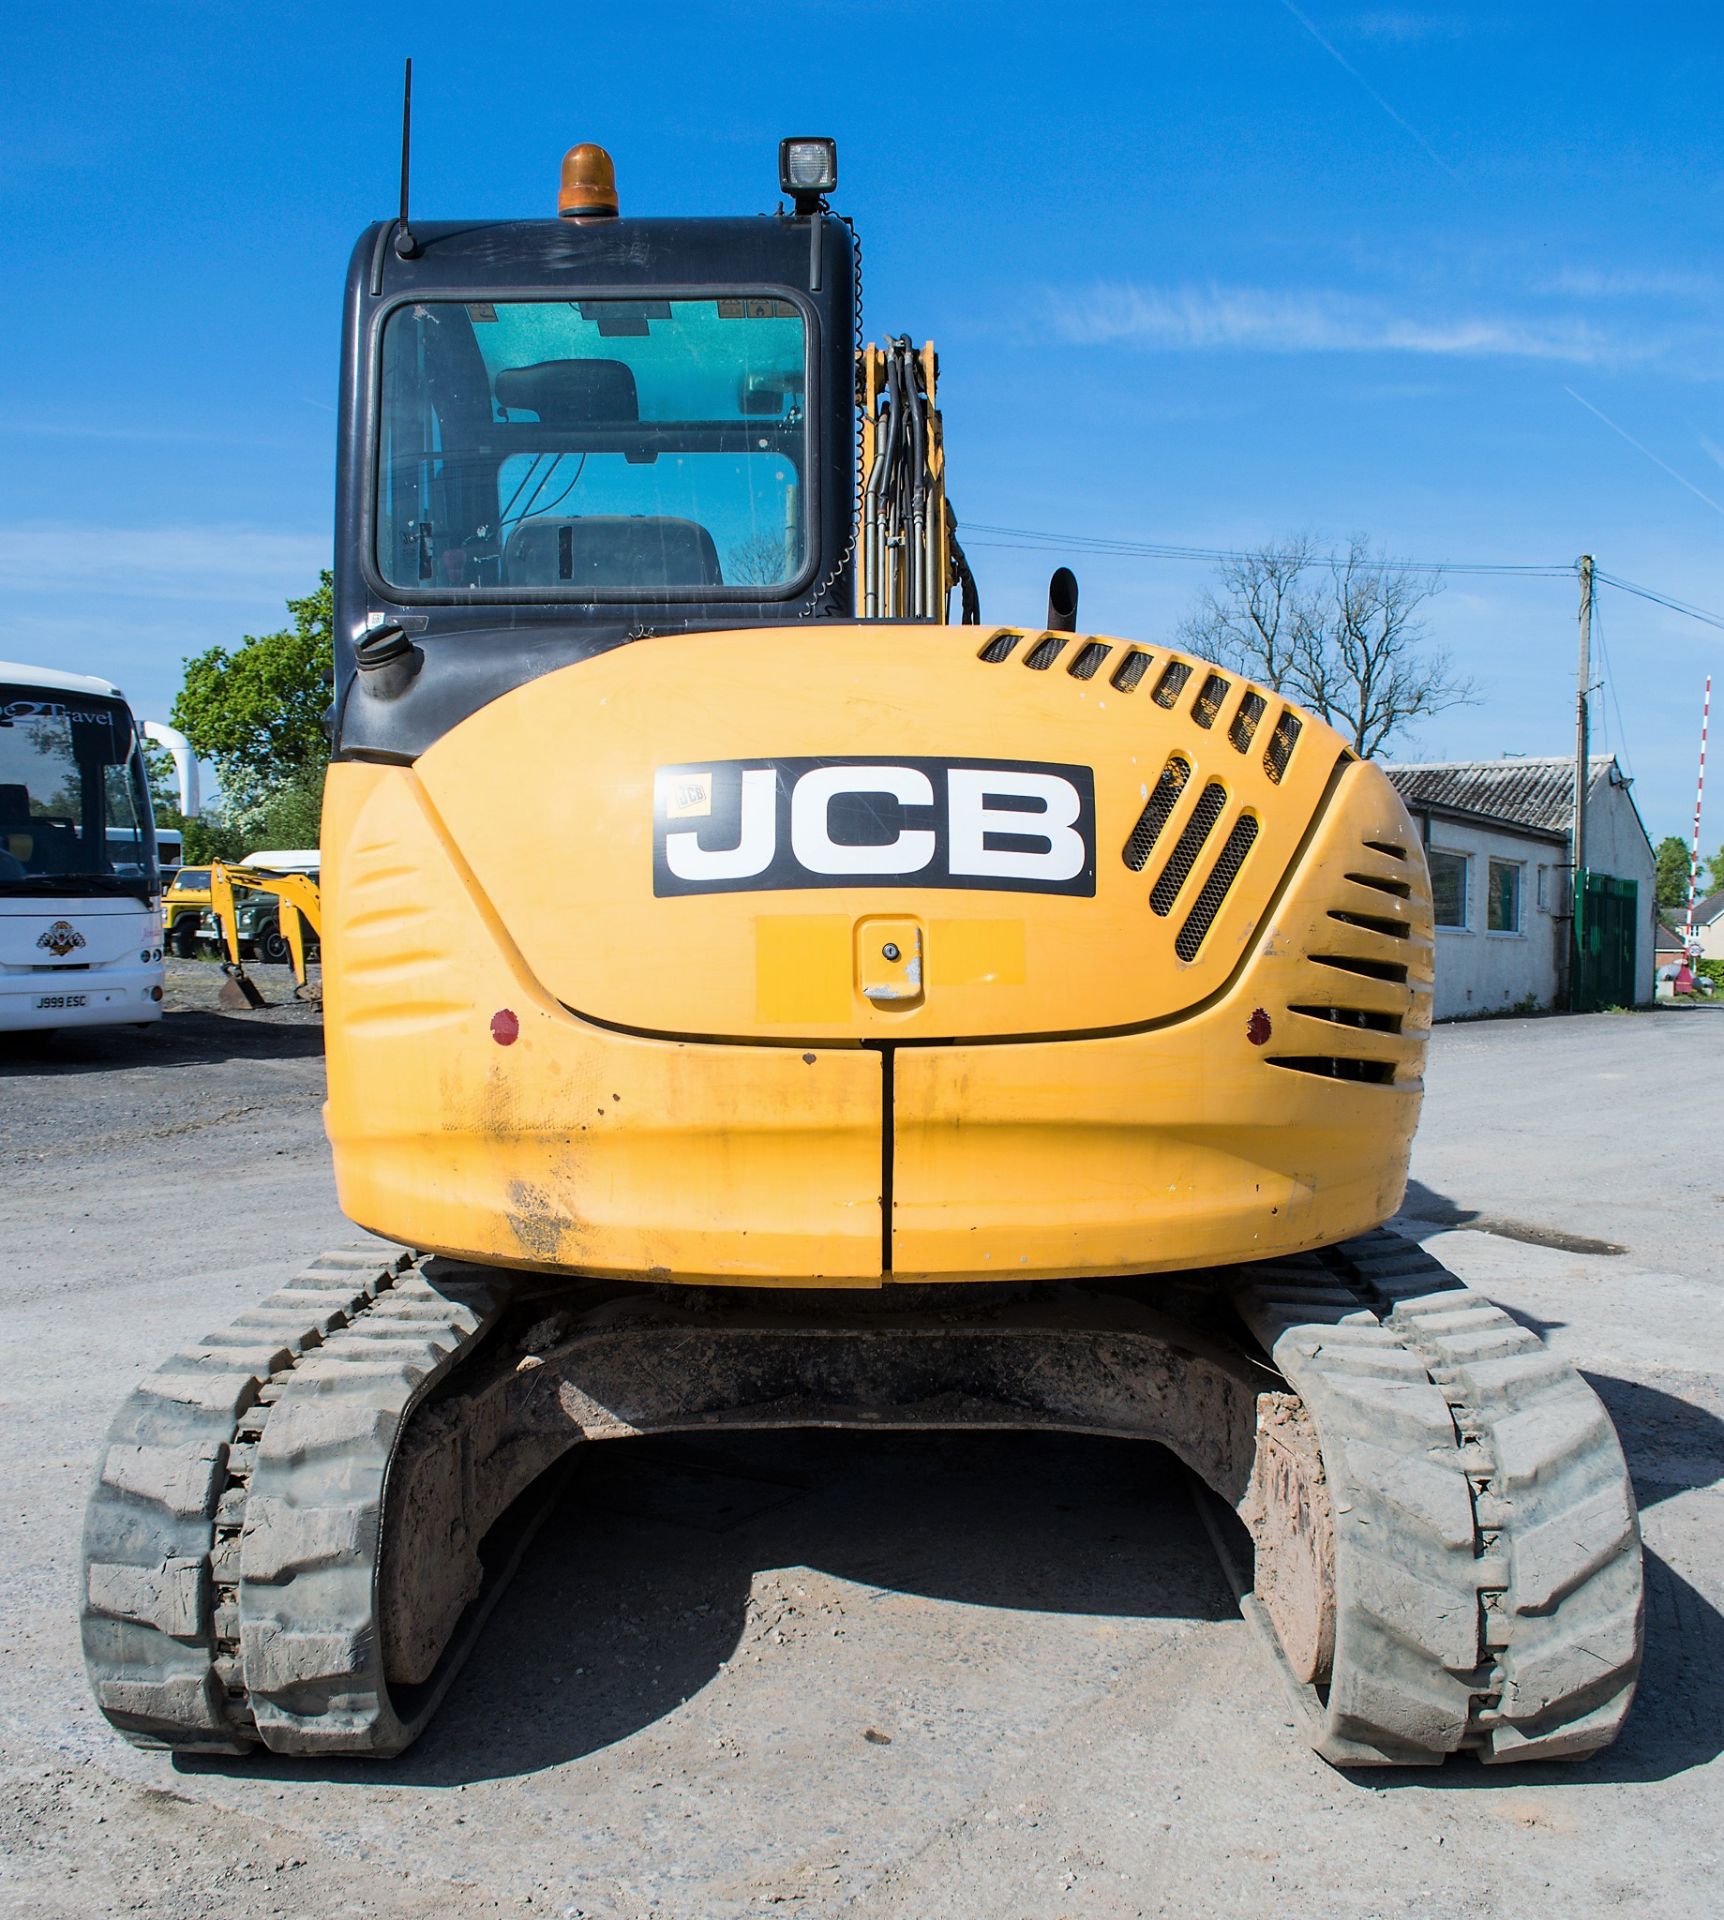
1201 274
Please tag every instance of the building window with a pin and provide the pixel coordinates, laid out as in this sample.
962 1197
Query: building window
1502 906
1449 887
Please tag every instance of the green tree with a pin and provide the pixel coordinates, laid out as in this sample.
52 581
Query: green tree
1715 867
291 815
257 712
209 837
1672 859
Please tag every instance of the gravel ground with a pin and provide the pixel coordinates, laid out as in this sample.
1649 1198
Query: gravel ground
878 1676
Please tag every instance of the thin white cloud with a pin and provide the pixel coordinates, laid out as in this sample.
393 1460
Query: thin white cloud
232 565
1406 29
1630 283
1712 450
1258 319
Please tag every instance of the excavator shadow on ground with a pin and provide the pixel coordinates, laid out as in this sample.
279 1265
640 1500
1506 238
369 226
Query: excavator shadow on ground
1425 1211
195 1038
668 1562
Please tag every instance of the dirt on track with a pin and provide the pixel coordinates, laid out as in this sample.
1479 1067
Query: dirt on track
881 1676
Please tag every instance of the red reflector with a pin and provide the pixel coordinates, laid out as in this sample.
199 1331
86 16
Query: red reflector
1257 1028
505 1028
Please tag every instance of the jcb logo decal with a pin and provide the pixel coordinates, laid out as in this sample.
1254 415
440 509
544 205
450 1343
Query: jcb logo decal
732 826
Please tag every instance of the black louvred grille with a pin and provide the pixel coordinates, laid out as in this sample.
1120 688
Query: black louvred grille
1216 888
1157 810
1130 670
1280 748
1088 658
1362 1017
1045 652
1207 707
1173 678
1391 971
1380 883
1369 923
1245 721
999 648
1337 1067
1188 846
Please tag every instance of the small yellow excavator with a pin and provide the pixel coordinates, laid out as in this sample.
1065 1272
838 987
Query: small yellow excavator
759 1000
298 906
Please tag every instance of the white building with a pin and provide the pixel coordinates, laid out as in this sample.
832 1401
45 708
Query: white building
1708 924
1496 835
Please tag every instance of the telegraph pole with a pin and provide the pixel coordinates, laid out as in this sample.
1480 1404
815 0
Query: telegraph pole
1694 856
1577 966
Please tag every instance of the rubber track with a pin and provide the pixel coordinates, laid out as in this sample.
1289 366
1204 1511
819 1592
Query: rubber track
1488 1582
1488 1572
231 1540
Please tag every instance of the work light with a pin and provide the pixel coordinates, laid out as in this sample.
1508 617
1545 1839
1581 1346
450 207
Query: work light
807 170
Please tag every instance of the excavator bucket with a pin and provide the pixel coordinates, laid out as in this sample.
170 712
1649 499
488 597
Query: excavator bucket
239 992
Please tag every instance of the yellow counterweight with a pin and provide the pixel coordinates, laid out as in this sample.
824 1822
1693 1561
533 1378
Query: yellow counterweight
874 954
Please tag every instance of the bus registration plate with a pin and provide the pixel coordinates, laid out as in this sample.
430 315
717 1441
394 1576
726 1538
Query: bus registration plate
49 1002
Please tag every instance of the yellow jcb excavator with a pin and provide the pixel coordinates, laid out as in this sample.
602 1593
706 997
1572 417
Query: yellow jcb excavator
757 1001
298 907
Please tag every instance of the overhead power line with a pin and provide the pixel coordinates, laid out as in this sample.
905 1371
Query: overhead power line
1038 540
1661 599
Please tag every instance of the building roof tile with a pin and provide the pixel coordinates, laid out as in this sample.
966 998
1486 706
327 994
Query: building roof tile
1528 793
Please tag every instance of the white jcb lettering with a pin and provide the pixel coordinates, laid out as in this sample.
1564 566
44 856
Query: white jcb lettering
758 837
992 801
810 821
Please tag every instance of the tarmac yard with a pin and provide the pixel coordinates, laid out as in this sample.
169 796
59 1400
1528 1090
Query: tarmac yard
885 1677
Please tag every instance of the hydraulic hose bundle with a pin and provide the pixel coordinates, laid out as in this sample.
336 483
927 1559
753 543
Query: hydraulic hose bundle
910 557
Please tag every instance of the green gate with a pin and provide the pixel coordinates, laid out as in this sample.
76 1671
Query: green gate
1605 929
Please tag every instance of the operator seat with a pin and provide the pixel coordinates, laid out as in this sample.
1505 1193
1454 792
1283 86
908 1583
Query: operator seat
611 550
596 550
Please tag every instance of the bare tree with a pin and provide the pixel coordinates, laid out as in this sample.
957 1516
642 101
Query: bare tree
758 561
1341 634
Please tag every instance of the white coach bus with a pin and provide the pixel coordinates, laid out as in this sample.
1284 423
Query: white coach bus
80 887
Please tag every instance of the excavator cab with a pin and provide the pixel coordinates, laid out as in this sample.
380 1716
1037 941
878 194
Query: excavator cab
756 1000
561 434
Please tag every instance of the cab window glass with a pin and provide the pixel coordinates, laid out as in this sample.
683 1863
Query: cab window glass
609 447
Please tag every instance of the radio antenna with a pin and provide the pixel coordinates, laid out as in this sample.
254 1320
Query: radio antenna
405 245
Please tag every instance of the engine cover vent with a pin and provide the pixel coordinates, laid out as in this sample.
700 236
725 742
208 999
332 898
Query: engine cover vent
1189 845
1171 684
1244 726
1280 748
1207 706
1157 811
1217 887
1130 670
